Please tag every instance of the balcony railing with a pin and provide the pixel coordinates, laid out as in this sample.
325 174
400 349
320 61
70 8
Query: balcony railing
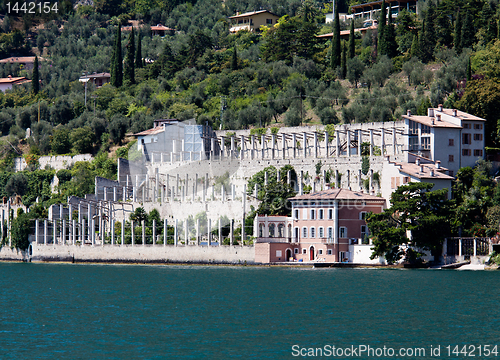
274 240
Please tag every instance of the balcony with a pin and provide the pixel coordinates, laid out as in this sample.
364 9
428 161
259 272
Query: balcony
274 240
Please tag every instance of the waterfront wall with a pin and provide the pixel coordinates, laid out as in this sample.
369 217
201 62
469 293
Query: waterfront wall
145 254
8 254
55 162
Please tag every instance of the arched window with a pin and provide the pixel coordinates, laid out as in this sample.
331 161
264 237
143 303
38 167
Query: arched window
313 232
304 232
281 230
271 230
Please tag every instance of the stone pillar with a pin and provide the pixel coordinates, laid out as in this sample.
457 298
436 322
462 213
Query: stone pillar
73 232
475 247
213 192
359 141
63 232
197 232
242 147
263 144
278 175
394 141
186 232
123 233
256 190
105 193
82 231
360 181
172 192
382 146
177 183
315 144
314 186
167 188
294 144
209 237
337 180
183 193
165 229
337 143
460 247
196 183
327 143
348 144
231 232
252 153
132 232
348 179
93 232
222 145
134 193
204 192
273 145
304 139
115 196
157 185
283 146
289 177
301 185
232 147
112 232
54 232
175 231
371 142
212 149
36 231
143 225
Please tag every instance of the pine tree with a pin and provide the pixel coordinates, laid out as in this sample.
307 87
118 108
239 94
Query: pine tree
344 60
35 80
457 41
138 52
234 59
469 71
382 44
116 60
390 38
129 71
428 35
443 28
352 44
415 48
336 49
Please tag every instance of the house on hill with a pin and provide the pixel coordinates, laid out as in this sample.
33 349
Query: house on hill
98 79
8 82
327 225
252 21
25 61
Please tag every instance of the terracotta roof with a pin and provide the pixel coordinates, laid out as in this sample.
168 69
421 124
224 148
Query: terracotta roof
337 194
14 80
423 171
347 32
427 120
462 115
251 13
161 27
153 131
21 59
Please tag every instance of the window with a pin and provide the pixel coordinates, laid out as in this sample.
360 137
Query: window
296 215
342 232
321 232
313 214
426 143
278 253
321 214
451 158
466 152
426 129
466 125
413 127
296 234
362 215
330 233
364 233
313 232
451 142
413 142
271 230
281 230
395 182
478 152
320 252
329 252
478 137
478 126
296 250
304 232
269 21
305 214
330 214
304 251
406 180
450 172
466 139
261 230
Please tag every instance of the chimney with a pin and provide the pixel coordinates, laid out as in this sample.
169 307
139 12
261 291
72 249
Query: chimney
433 121
440 107
438 164
432 172
10 76
454 112
430 112
421 168
438 117
408 112
417 162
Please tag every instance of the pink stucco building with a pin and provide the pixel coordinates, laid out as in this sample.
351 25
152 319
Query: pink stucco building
324 226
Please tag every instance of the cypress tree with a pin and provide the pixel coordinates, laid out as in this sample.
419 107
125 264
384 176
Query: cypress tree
352 45
382 44
468 32
457 41
234 59
35 79
428 35
469 71
129 72
390 38
336 49
415 48
138 52
344 60
116 60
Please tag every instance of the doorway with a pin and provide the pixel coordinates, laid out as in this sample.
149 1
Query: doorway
288 254
311 253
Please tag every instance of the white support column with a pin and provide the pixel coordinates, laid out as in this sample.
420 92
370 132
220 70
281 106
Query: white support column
283 146
165 229
273 145
232 147
475 247
394 141
45 229
337 143
231 232
315 145
36 231
327 142
371 142
112 232
242 147
92 234
54 232
83 229
294 144
154 232
220 232
359 141
143 225
263 144
244 214
123 233
348 139
304 139
301 185
382 147
63 230
252 144
222 146
73 233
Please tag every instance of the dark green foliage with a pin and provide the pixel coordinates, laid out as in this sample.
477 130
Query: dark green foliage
60 142
365 165
428 40
20 231
129 70
457 41
234 59
35 80
468 32
352 44
343 67
116 60
382 46
138 52
17 185
82 140
354 70
336 49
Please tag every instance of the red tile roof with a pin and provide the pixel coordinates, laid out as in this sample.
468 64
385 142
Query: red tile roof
14 80
338 194
251 13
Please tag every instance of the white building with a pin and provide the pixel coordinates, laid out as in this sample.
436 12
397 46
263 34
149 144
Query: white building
8 82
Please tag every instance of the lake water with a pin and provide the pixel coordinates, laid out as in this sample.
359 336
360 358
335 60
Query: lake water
64 311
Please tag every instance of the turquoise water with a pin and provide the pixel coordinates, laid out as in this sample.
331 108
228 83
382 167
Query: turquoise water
58 311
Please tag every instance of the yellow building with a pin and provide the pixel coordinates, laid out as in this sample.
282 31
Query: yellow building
252 21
